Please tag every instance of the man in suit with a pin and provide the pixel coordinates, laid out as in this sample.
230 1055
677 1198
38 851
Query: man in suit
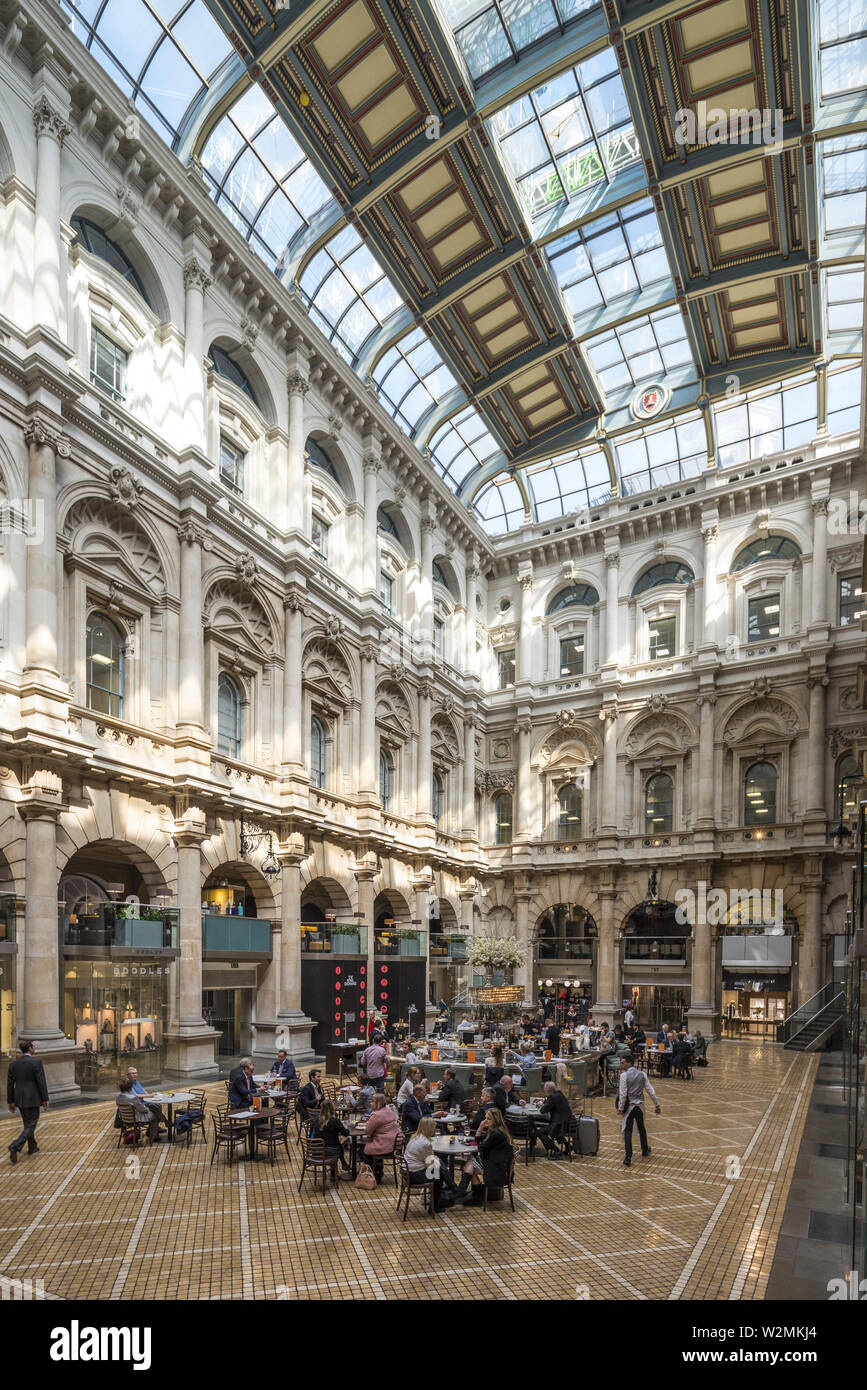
243 1087
452 1093
284 1067
558 1114
552 1039
310 1097
505 1094
487 1102
415 1110
26 1087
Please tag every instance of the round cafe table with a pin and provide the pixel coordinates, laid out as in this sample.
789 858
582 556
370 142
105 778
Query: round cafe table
168 1099
451 1119
357 1134
444 1147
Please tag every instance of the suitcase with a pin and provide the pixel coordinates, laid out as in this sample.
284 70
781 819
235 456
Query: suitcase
588 1136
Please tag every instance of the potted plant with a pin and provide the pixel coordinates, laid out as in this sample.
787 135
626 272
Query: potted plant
494 953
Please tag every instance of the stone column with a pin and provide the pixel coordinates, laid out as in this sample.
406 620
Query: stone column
525 647
51 131
423 804
471 664
293 1025
523 976
371 464
425 587
365 870
522 809
810 959
612 560
40 807
609 770
191 652
423 887
196 282
703 1011
608 1003
819 606
705 819
295 497
710 536
469 830
368 781
815 808
190 1042
293 731
44 446
467 896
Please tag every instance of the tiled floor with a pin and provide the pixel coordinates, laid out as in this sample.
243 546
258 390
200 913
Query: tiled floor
699 1219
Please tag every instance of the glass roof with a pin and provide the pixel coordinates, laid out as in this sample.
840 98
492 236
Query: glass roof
568 133
490 34
660 454
569 483
499 506
161 53
844 398
643 349
844 174
260 176
348 292
842 46
844 299
411 377
766 421
618 254
462 445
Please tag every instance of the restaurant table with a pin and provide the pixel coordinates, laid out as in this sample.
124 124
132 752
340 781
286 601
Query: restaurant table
249 1118
169 1099
452 1119
357 1131
526 1112
463 1148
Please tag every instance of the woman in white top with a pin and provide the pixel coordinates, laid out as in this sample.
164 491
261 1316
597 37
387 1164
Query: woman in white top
423 1163
412 1079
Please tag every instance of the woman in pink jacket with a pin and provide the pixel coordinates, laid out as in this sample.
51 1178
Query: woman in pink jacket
380 1134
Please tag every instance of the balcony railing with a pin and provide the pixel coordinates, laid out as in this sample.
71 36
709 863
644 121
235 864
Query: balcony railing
236 936
564 948
659 948
404 944
451 949
10 906
333 938
106 924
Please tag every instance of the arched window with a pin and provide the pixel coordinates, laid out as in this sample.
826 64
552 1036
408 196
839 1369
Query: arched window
569 821
228 716
318 752
658 804
436 797
667 572
94 240
848 774
386 768
320 458
105 666
768 548
438 575
760 794
577 595
386 524
503 819
227 367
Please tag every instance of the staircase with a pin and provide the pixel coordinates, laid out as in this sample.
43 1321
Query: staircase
810 1026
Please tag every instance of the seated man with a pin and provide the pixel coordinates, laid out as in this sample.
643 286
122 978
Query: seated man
415 1110
505 1094
139 1090
284 1067
452 1094
243 1087
487 1100
558 1114
310 1097
125 1096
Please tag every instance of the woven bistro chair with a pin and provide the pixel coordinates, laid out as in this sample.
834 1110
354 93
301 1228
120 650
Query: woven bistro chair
411 1189
314 1157
519 1128
195 1108
226 1136
130 1124
273 1135
509 1181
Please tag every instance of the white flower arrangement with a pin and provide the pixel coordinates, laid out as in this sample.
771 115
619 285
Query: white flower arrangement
496 953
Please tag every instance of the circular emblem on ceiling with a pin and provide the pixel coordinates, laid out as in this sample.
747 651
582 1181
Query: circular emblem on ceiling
649 401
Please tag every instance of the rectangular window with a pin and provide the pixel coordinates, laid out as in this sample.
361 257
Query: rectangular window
506 668
763 618
661 638
572 656
319 536
852 606
439 637
108 364
231 466
386 590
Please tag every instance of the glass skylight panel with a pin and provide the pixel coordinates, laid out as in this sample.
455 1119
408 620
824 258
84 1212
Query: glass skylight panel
569 483
161 53
844 299
844 399
492 32
260 176
844 174
656 455
617 254
462 445
348 292
411 377
567 134
766 421
644 349
500 506
842 46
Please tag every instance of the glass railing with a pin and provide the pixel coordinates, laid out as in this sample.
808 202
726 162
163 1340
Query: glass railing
235 936
10 906
828 994
565 948
654 948
449 949
402 943
105 924
333 938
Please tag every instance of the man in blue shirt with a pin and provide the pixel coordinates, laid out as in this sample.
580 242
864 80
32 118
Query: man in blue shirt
138 1090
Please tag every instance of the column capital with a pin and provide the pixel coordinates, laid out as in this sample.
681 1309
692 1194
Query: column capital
371 463
190 828
820 506
39 434
612 557
41 795
369 651
296 602
523 726
297 384
428 524
48 121
821 680
706 697
425 690
710 534
196 276
189 533
609 713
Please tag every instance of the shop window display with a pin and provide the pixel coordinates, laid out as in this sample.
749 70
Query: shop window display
117 1012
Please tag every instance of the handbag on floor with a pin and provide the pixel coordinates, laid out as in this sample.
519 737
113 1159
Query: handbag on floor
365 1180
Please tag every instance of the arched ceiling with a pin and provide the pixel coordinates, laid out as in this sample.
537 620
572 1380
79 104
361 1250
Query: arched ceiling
500 215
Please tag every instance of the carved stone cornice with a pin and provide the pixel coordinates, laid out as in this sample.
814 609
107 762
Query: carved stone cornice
48 121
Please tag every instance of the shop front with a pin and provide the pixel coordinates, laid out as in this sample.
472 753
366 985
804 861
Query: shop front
228 999
117 1011
655 1004
755 1005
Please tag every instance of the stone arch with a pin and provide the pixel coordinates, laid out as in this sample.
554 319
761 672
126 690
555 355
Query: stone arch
121 818
12 474
104 533
77 862
88 203
240 870
394 710
672 554
762 717
663 731
559 584
238 614
221 335
452 577
337 455
389 902
801 536
444 740
571 741
327 667
323 894
500 921
395 513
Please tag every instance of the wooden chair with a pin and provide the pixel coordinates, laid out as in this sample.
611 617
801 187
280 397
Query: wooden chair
519 1128
130 1124
226 1136
195 1108
314 1156
509 1181
273 1134
426 1189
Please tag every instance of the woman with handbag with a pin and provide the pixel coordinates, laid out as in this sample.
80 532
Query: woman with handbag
380 1135
331 1131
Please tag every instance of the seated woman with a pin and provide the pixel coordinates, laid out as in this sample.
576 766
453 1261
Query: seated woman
408 1085
422 1161
493 1162
360 1101
382 1133
143 1113
494 1066
699 1049
330 1130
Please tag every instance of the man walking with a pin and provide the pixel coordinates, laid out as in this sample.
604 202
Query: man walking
26 1087
630 1104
